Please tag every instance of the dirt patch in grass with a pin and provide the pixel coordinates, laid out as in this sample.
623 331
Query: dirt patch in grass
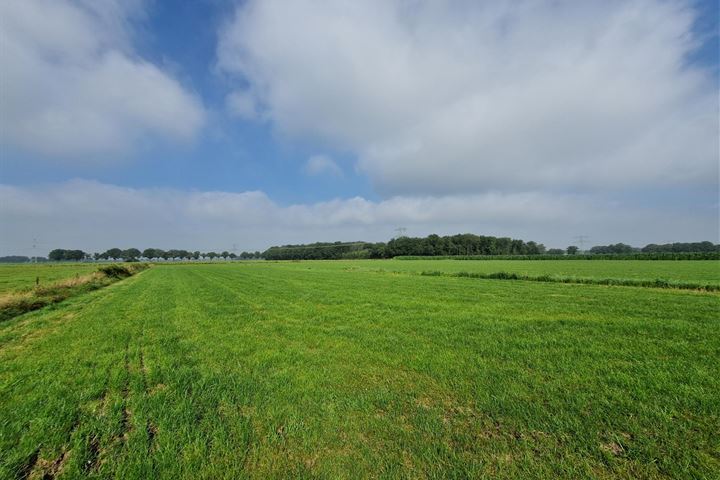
612 447
157 388
29 465
152 432
49 469
93 455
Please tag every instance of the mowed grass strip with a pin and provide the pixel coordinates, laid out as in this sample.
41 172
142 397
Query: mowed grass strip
290 370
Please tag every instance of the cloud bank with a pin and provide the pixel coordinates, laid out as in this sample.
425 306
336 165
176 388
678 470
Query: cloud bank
95 216
448 97
72 86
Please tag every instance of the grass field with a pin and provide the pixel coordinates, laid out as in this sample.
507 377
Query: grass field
705 271
23 276
341 370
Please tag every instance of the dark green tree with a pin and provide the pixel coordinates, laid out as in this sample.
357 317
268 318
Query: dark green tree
56 255
131 254
113 253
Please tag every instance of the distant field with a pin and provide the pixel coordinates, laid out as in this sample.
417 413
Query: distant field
337 370
706 271
16 277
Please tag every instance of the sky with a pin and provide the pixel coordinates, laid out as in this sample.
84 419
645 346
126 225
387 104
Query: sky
222 125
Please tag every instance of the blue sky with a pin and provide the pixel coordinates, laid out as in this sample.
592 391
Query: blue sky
256 123
228 155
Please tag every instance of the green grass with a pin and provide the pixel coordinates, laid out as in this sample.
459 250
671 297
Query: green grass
697 271
624 282
18 302
23 276
332 370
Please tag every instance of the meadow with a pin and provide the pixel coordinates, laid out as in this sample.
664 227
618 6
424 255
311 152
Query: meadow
24 276
363 369
702 271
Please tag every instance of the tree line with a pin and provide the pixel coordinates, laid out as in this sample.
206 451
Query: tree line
21 259
618 248
678 247
432 245
466 245
696 247
461 245
324 251
134 254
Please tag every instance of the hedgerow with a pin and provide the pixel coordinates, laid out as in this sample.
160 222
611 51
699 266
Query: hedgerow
625 282
608 256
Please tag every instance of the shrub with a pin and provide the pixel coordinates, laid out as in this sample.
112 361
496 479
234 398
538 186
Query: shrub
114 270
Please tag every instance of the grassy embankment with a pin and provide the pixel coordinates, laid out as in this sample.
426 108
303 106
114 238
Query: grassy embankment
14 302
278 370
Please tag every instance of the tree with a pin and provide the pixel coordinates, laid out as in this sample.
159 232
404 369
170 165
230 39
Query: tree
60 254
131 254
556 251
174 253
617 248
572 250
56 255
74 255
113 253
535 248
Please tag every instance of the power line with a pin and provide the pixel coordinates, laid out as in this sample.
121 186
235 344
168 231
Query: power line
581 240
400 232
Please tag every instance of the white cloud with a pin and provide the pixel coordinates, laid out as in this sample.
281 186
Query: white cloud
95 216
322 164
242 104
438 97
72 86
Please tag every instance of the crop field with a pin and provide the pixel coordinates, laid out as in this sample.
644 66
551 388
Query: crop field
23 276
355 369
